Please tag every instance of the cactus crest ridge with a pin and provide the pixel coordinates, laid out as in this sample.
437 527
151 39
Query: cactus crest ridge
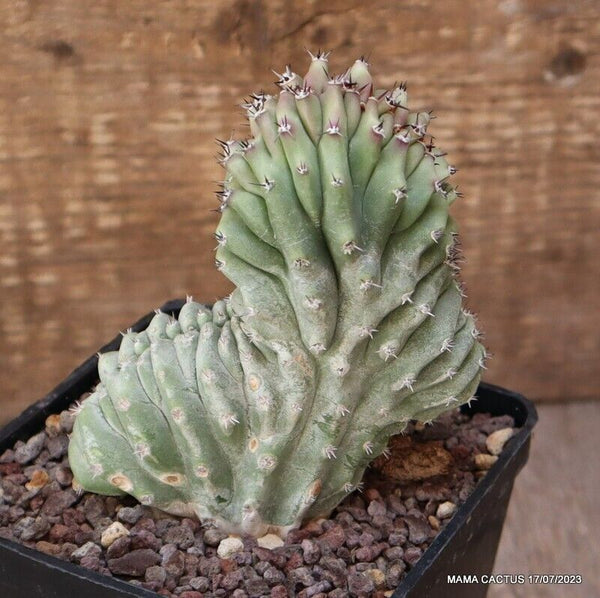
346 321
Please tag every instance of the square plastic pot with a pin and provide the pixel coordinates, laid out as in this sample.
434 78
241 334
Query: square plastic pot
466 546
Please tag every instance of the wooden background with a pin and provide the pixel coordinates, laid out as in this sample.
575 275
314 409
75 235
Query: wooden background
108 110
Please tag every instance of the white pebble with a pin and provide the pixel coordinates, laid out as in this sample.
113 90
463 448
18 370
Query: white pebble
229 546
445 510
113 532
270 541
496 440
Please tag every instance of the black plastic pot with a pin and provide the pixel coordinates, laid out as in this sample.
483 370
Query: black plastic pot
467 546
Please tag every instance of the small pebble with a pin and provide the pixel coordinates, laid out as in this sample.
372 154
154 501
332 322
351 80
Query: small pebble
270 541
31 449
156 573
213 536
119 547
394 573
485 461
230 546
57 446
59 501
201 584
376 508
434 522
360 584
445 510
412 555
113 532
377 576
134 563
180 535
53 427
88 549
67 419
310 551
273 575
334 537
48 547
418 529
32 528
173 560
8 456
38 480
301 575
496 440
130 514
279 592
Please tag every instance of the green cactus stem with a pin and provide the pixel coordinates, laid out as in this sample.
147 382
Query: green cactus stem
346 323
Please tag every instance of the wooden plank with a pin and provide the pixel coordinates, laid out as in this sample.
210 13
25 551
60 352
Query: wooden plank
107 114
553 519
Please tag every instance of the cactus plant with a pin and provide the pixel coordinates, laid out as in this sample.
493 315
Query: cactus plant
346 323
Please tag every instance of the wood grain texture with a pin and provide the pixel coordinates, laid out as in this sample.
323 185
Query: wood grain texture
553 518
108 112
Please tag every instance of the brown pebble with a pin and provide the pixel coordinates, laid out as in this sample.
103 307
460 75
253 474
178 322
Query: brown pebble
48 547
53 427
119 547
314 526
434 522
134 563
485 461
57 502
377 576
293 562
10 468
334 537
279 592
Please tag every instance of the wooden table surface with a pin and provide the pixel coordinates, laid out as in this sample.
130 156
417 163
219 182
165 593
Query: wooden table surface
553 522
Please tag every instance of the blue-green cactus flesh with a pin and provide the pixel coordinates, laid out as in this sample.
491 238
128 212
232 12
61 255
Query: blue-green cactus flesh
346 323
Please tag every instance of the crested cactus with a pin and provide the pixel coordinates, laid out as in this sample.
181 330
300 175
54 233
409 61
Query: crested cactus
346 323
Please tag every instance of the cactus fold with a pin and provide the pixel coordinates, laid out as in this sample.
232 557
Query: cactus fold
346 323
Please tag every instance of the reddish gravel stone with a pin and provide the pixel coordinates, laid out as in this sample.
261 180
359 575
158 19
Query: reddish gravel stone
276 558
119 547
369 553
10 468
334 537
418 529
376 508
56 503
145 539
412 555
134 563
293 562
360 585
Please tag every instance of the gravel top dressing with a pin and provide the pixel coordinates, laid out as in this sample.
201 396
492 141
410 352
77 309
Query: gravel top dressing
371 540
